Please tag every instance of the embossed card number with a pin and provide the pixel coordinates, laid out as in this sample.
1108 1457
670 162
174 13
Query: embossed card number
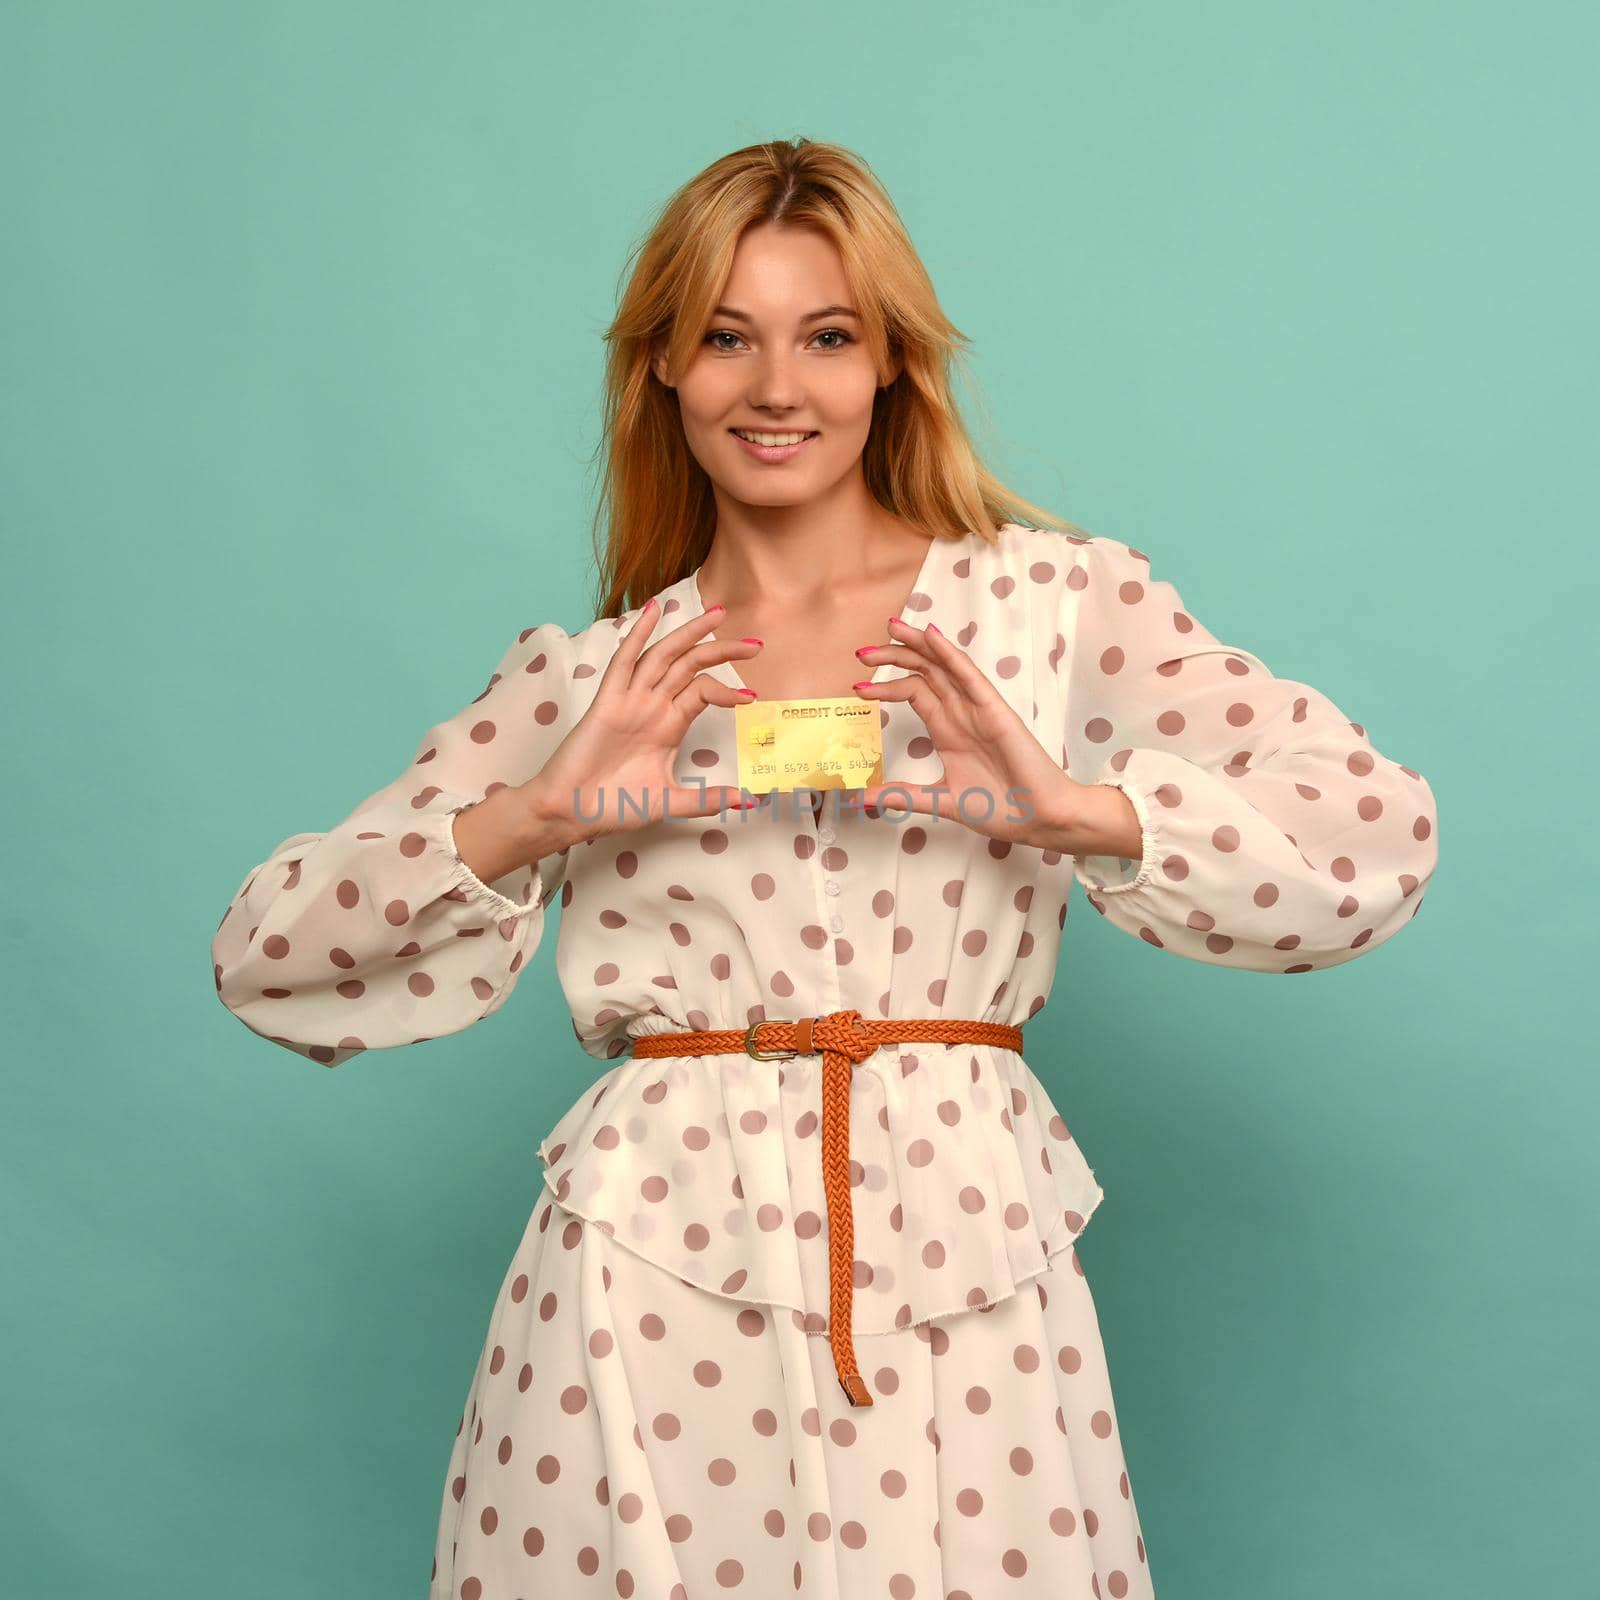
808 744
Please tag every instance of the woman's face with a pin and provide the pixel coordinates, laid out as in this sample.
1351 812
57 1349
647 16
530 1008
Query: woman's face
781 354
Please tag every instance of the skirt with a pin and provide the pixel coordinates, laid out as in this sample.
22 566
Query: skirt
627 1433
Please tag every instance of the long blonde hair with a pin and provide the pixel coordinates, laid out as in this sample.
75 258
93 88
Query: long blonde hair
656 513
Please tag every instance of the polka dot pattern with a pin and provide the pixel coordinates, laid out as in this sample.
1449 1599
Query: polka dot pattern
987 1465
376 933
1274 836
965 1178
683 1253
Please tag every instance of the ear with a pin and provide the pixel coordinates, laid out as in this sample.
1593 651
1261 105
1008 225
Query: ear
658 362
896 367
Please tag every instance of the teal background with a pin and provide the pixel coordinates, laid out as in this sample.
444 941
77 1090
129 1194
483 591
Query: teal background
301 312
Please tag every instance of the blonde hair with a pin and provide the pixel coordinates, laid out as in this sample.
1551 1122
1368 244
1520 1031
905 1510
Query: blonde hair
656 513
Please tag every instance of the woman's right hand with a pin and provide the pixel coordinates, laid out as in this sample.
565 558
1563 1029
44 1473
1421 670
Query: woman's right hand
614 769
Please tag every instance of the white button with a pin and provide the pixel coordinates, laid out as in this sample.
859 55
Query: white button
836 923
825 835
831 886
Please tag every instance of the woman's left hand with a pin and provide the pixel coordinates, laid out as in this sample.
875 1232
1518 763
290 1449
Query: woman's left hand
998 779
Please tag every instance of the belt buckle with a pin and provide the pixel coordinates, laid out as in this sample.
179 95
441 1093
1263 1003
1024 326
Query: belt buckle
756 1052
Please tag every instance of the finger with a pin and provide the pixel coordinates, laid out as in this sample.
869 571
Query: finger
696 693
894 655
707 800
703 690
908 634
619 669
958 665
917 692
670 648
949 666
930 800
707 653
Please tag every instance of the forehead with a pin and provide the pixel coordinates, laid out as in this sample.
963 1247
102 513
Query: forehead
785 271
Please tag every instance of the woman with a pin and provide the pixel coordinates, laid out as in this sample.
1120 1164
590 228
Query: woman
799 1307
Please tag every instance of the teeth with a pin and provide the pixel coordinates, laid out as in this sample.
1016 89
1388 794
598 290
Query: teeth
772 438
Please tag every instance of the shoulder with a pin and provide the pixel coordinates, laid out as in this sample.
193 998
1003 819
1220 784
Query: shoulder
547 660
1077 565
583 654
1046 553
1050 566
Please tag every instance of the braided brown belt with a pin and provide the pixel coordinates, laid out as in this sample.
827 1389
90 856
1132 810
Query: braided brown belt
843 1038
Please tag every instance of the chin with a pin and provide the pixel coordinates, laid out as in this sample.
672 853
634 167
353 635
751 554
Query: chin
773 498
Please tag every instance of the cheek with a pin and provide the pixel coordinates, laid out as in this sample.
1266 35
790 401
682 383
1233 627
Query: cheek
846 400
706 395
839 397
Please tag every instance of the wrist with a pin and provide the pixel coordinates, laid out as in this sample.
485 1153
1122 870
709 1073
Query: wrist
547 824
1055 824
1090 819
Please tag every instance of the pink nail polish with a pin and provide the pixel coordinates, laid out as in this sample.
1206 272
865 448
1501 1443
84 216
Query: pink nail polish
866 649
900 620
862 683
749 641
933 629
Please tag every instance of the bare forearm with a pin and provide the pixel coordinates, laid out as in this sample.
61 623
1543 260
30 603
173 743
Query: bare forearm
508 829
1093 819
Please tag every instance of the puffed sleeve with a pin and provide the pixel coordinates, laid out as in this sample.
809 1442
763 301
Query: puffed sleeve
1275 836
376 933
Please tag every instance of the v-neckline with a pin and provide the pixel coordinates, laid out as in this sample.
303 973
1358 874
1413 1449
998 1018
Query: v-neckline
729 673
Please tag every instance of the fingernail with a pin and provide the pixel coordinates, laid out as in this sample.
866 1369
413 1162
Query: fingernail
866 649
862 683
749 641
717 608
933 629
750 692
901 620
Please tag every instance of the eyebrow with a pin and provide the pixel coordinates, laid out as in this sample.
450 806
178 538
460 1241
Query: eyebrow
810 316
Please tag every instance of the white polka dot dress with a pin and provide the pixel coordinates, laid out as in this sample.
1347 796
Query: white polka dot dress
656 1412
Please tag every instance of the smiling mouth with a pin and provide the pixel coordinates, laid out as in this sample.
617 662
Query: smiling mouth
777 438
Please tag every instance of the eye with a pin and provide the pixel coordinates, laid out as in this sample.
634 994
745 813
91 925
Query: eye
718 333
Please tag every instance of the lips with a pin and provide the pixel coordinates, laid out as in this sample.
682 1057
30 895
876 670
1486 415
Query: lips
772 453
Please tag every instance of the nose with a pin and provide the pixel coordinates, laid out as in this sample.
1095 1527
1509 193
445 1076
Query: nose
776 384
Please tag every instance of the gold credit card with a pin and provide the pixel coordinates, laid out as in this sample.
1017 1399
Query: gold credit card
808 744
